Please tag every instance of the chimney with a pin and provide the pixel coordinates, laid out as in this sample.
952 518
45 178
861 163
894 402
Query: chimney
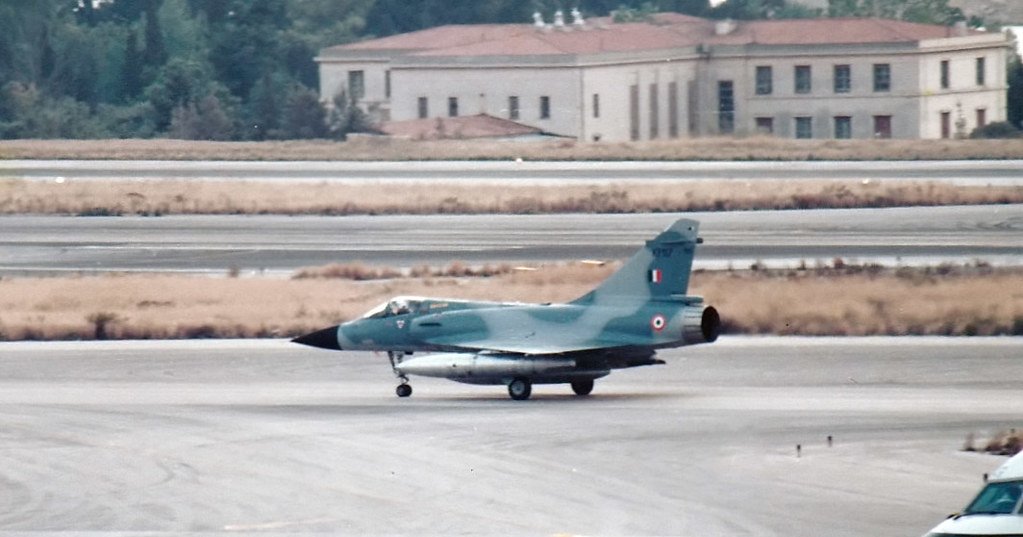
577 18
959 29
559 19
724 27
538 20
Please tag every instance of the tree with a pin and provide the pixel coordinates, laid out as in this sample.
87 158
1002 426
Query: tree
178 83
748 9
265 109
304 116
345 117
131 68
204 121
155 54
923 11
1014 99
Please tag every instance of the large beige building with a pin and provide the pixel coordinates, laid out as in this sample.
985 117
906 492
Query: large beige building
678 76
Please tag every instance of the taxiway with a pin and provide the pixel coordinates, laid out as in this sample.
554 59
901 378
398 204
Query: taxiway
215 244
266 436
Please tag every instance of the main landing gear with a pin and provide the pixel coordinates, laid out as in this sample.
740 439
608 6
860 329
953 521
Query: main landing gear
404 389
520 389
582 387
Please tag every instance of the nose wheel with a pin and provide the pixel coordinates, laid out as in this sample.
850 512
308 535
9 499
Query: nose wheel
403 390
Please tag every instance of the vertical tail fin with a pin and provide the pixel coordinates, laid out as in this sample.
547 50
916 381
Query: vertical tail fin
658 270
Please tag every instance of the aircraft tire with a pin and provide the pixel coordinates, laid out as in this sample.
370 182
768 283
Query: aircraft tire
582 387
403 390
520 389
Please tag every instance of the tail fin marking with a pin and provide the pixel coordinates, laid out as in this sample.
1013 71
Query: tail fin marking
659 270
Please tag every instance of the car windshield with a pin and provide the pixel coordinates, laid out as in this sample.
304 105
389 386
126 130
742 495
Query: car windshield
998 498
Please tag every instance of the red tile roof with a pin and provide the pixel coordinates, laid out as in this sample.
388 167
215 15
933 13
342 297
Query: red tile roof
833 32
665 31
478 126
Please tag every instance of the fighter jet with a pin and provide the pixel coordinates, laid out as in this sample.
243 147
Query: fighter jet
621 323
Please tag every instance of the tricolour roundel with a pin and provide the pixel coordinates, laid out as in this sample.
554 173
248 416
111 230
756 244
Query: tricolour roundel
657 322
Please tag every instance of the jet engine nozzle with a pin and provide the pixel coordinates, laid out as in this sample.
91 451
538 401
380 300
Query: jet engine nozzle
701 325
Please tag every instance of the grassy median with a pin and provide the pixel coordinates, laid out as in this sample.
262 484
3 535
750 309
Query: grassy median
106 198
749 148
819 300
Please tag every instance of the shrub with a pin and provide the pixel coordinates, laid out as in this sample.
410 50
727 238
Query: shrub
1000 129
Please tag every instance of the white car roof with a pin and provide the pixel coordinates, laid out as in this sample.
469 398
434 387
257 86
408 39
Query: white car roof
1010 469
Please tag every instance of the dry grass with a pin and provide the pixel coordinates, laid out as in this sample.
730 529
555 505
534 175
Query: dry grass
825 301
751 148
1002 443
216 197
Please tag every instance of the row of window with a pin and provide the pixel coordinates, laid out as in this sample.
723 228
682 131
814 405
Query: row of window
980 72
841 126
653 110
513 107
841 78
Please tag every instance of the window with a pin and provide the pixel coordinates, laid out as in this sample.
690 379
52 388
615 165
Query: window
513 107
634 112
803 79
424 110
946 124
882 77
764 80
387 84
981 75
673 109
452 106
843 127
726 107
981 117
804 128
596 105
944 74
765 125
882 126
843 78
655 113
356 85
545 107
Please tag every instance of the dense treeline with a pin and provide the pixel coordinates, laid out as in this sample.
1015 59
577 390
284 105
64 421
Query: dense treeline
244 69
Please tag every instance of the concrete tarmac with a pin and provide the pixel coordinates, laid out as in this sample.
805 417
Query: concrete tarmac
214 244
270 437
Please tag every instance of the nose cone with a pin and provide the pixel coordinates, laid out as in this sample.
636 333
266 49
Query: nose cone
321 339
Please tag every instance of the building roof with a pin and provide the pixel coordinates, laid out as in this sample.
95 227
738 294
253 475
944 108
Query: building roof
663 31
478 126
839 31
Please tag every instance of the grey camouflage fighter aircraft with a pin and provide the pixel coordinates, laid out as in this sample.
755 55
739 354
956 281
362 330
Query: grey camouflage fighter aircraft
640 308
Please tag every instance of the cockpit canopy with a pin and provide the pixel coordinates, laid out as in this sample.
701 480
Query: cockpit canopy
396 306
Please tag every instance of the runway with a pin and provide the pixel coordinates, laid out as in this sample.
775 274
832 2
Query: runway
215 244
265 436
961 172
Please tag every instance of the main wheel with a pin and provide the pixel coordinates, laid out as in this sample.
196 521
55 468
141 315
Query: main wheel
520 389
403 390
582 387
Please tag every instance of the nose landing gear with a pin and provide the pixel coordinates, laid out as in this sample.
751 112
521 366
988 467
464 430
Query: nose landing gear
404 389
